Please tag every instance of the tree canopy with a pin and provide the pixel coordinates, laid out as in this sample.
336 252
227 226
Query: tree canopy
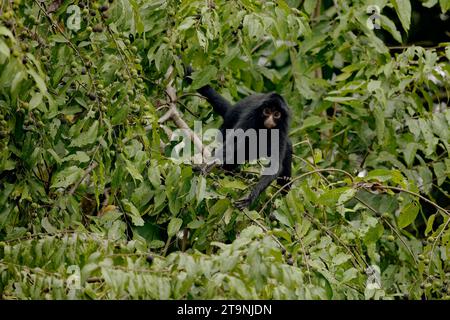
93 206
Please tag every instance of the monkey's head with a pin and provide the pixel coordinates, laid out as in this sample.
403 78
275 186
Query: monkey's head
274 112
271 116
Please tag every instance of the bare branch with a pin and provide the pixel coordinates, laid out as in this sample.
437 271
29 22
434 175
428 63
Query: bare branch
174 115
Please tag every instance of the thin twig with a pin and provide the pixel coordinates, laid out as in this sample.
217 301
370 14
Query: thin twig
416 195
89 169
390 226
301 177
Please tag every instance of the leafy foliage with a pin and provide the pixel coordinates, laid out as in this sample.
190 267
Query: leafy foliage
86 179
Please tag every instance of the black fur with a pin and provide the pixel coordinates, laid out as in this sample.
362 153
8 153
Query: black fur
248 114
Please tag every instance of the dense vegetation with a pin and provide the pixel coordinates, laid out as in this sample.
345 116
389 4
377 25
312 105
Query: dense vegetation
93 207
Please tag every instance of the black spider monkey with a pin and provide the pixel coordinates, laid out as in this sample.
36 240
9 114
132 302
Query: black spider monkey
258 111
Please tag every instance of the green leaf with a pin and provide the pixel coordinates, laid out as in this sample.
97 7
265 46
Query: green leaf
403 8
79 156
4 51
389 26
407 215
175 201
39 81
201 189
187 23
232 184
346 196
373 85
309 194
6 32
252 26
133 171
86 138
195 224
282 218
379 123
203 77
440 172
120 115
445 5
341 258
174 226
154 176
309 6
48 226
220 207
132 212
156 244
55 155
374 233
410 152
58 38
35 101
311 121
340 99
349 275
430 224
66 177
202 41
16 82
380 175
331 197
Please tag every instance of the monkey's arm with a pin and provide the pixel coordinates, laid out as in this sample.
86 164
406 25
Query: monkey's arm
219 103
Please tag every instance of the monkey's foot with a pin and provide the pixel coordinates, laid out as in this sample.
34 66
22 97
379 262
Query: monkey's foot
204 169
243 203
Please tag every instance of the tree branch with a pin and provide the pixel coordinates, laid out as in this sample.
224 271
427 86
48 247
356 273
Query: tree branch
174 115
89 169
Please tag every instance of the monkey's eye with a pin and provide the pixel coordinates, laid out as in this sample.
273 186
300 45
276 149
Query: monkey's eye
277 114
267 112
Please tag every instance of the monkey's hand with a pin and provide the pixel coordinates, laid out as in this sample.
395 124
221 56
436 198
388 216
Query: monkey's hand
243 203
285 184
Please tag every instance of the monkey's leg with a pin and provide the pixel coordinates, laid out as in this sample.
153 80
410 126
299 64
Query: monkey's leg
263 183
266 179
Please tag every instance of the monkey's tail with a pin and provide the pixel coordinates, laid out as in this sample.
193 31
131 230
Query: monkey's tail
219 103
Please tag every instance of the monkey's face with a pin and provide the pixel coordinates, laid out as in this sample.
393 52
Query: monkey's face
271 117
